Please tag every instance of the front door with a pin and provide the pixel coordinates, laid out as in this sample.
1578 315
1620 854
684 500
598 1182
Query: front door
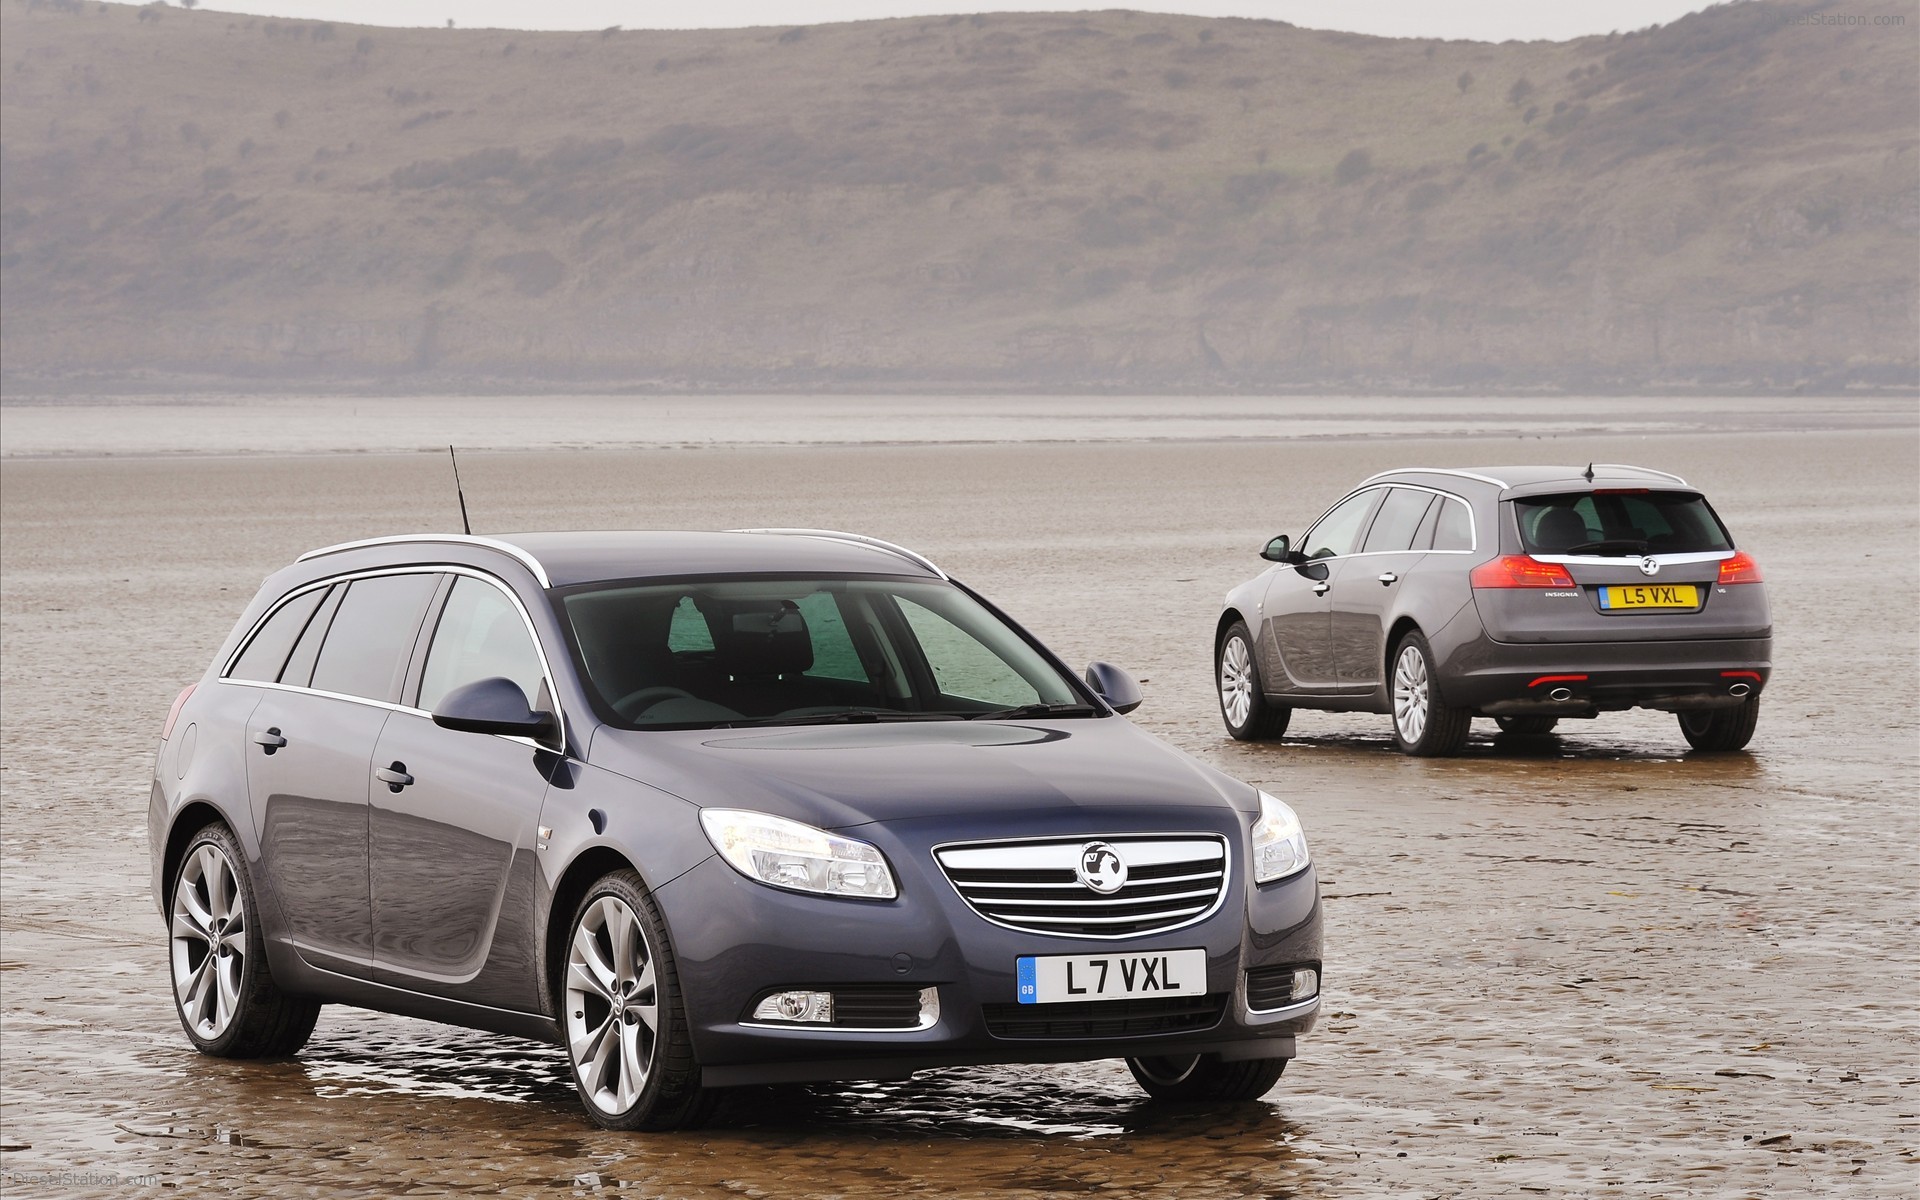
1296 650
454 816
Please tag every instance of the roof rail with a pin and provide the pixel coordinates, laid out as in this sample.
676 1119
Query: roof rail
457 539
1500 483
860 538
1642 470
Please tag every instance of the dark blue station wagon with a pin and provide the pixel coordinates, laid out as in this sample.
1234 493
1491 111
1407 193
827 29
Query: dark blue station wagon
708 810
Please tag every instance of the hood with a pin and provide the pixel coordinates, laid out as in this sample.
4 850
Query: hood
836 776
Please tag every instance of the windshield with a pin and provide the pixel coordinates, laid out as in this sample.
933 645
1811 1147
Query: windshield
1620 522
729 652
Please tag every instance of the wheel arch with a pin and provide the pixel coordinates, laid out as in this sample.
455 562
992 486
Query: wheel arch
1226 622
1400 629
581 874
190 820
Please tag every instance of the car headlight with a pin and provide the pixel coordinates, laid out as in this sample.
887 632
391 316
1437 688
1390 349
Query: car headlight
1279 844
788 854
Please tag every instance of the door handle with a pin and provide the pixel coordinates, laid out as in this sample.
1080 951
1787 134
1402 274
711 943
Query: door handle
1320 589
395 776
270 740
1387 577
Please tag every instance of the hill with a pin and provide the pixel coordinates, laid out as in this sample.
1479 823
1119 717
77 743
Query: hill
1730 202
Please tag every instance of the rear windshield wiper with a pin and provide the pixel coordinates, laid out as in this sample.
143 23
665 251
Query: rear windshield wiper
1035 710
1609 546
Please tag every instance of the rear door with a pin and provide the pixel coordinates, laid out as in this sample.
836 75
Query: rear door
452 848
1367 592
312 739
1296 640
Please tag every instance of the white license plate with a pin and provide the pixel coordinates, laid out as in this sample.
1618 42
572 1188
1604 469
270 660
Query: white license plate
1064 978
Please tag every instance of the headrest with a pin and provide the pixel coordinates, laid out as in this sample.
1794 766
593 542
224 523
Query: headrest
1559 529
768 639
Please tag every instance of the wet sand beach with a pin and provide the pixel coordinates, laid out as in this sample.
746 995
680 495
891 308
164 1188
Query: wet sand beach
1593 965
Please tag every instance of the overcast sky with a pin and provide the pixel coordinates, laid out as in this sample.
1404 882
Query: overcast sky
1481 20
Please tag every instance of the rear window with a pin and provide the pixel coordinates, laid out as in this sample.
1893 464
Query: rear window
1622 522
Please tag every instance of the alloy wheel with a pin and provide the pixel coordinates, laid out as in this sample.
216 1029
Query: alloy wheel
1236 681
613 1012
1411 689
209 940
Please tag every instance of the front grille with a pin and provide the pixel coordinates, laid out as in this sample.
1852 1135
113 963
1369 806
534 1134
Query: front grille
1105 1018
1172 880
877 1006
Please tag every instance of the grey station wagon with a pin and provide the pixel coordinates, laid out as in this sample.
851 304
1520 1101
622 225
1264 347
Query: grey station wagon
711 809
1525 594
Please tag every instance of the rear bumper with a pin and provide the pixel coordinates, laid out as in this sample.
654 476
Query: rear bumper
1575 678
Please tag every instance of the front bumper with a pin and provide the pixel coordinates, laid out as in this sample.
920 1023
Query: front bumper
734 940
1580 678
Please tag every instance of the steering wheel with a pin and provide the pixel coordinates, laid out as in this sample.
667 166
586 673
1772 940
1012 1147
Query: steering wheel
633 704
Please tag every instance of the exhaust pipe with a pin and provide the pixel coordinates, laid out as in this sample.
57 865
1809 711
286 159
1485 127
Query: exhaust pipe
1738 689
1567 694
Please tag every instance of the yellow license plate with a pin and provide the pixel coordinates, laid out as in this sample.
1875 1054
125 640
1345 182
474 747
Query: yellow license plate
1650 595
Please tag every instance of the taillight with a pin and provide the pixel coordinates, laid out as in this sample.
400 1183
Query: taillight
1520 571
1739 569
173 714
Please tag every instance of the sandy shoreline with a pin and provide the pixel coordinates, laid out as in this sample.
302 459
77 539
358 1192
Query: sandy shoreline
212 426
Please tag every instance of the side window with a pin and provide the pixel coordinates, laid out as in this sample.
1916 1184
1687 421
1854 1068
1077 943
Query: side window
1339 531
267 653
1455 529
961 666
833 654
372 635
1398 520
480 635
688 629
300 666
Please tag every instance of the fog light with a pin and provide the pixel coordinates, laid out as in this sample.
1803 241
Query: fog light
929 1007
807 1007
1306 983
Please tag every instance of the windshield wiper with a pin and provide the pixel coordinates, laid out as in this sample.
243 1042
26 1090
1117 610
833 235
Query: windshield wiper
1035 710
852 716
1609 546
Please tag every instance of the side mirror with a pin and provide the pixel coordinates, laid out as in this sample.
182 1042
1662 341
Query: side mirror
1278 550
1114 686
494 705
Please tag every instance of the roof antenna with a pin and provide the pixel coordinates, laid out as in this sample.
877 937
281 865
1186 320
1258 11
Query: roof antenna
1589 472
467 528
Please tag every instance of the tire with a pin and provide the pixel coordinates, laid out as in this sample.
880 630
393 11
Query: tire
1721 729
1527 726
624 1024
1422 726
1203 1077
1249 715
223 989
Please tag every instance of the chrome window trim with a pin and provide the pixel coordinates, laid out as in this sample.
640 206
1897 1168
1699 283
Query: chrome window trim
860 538
1219 902
1473 526
526 620
1628 560
430 539
1499 483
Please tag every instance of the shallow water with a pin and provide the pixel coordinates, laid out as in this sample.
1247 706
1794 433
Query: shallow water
1585 965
